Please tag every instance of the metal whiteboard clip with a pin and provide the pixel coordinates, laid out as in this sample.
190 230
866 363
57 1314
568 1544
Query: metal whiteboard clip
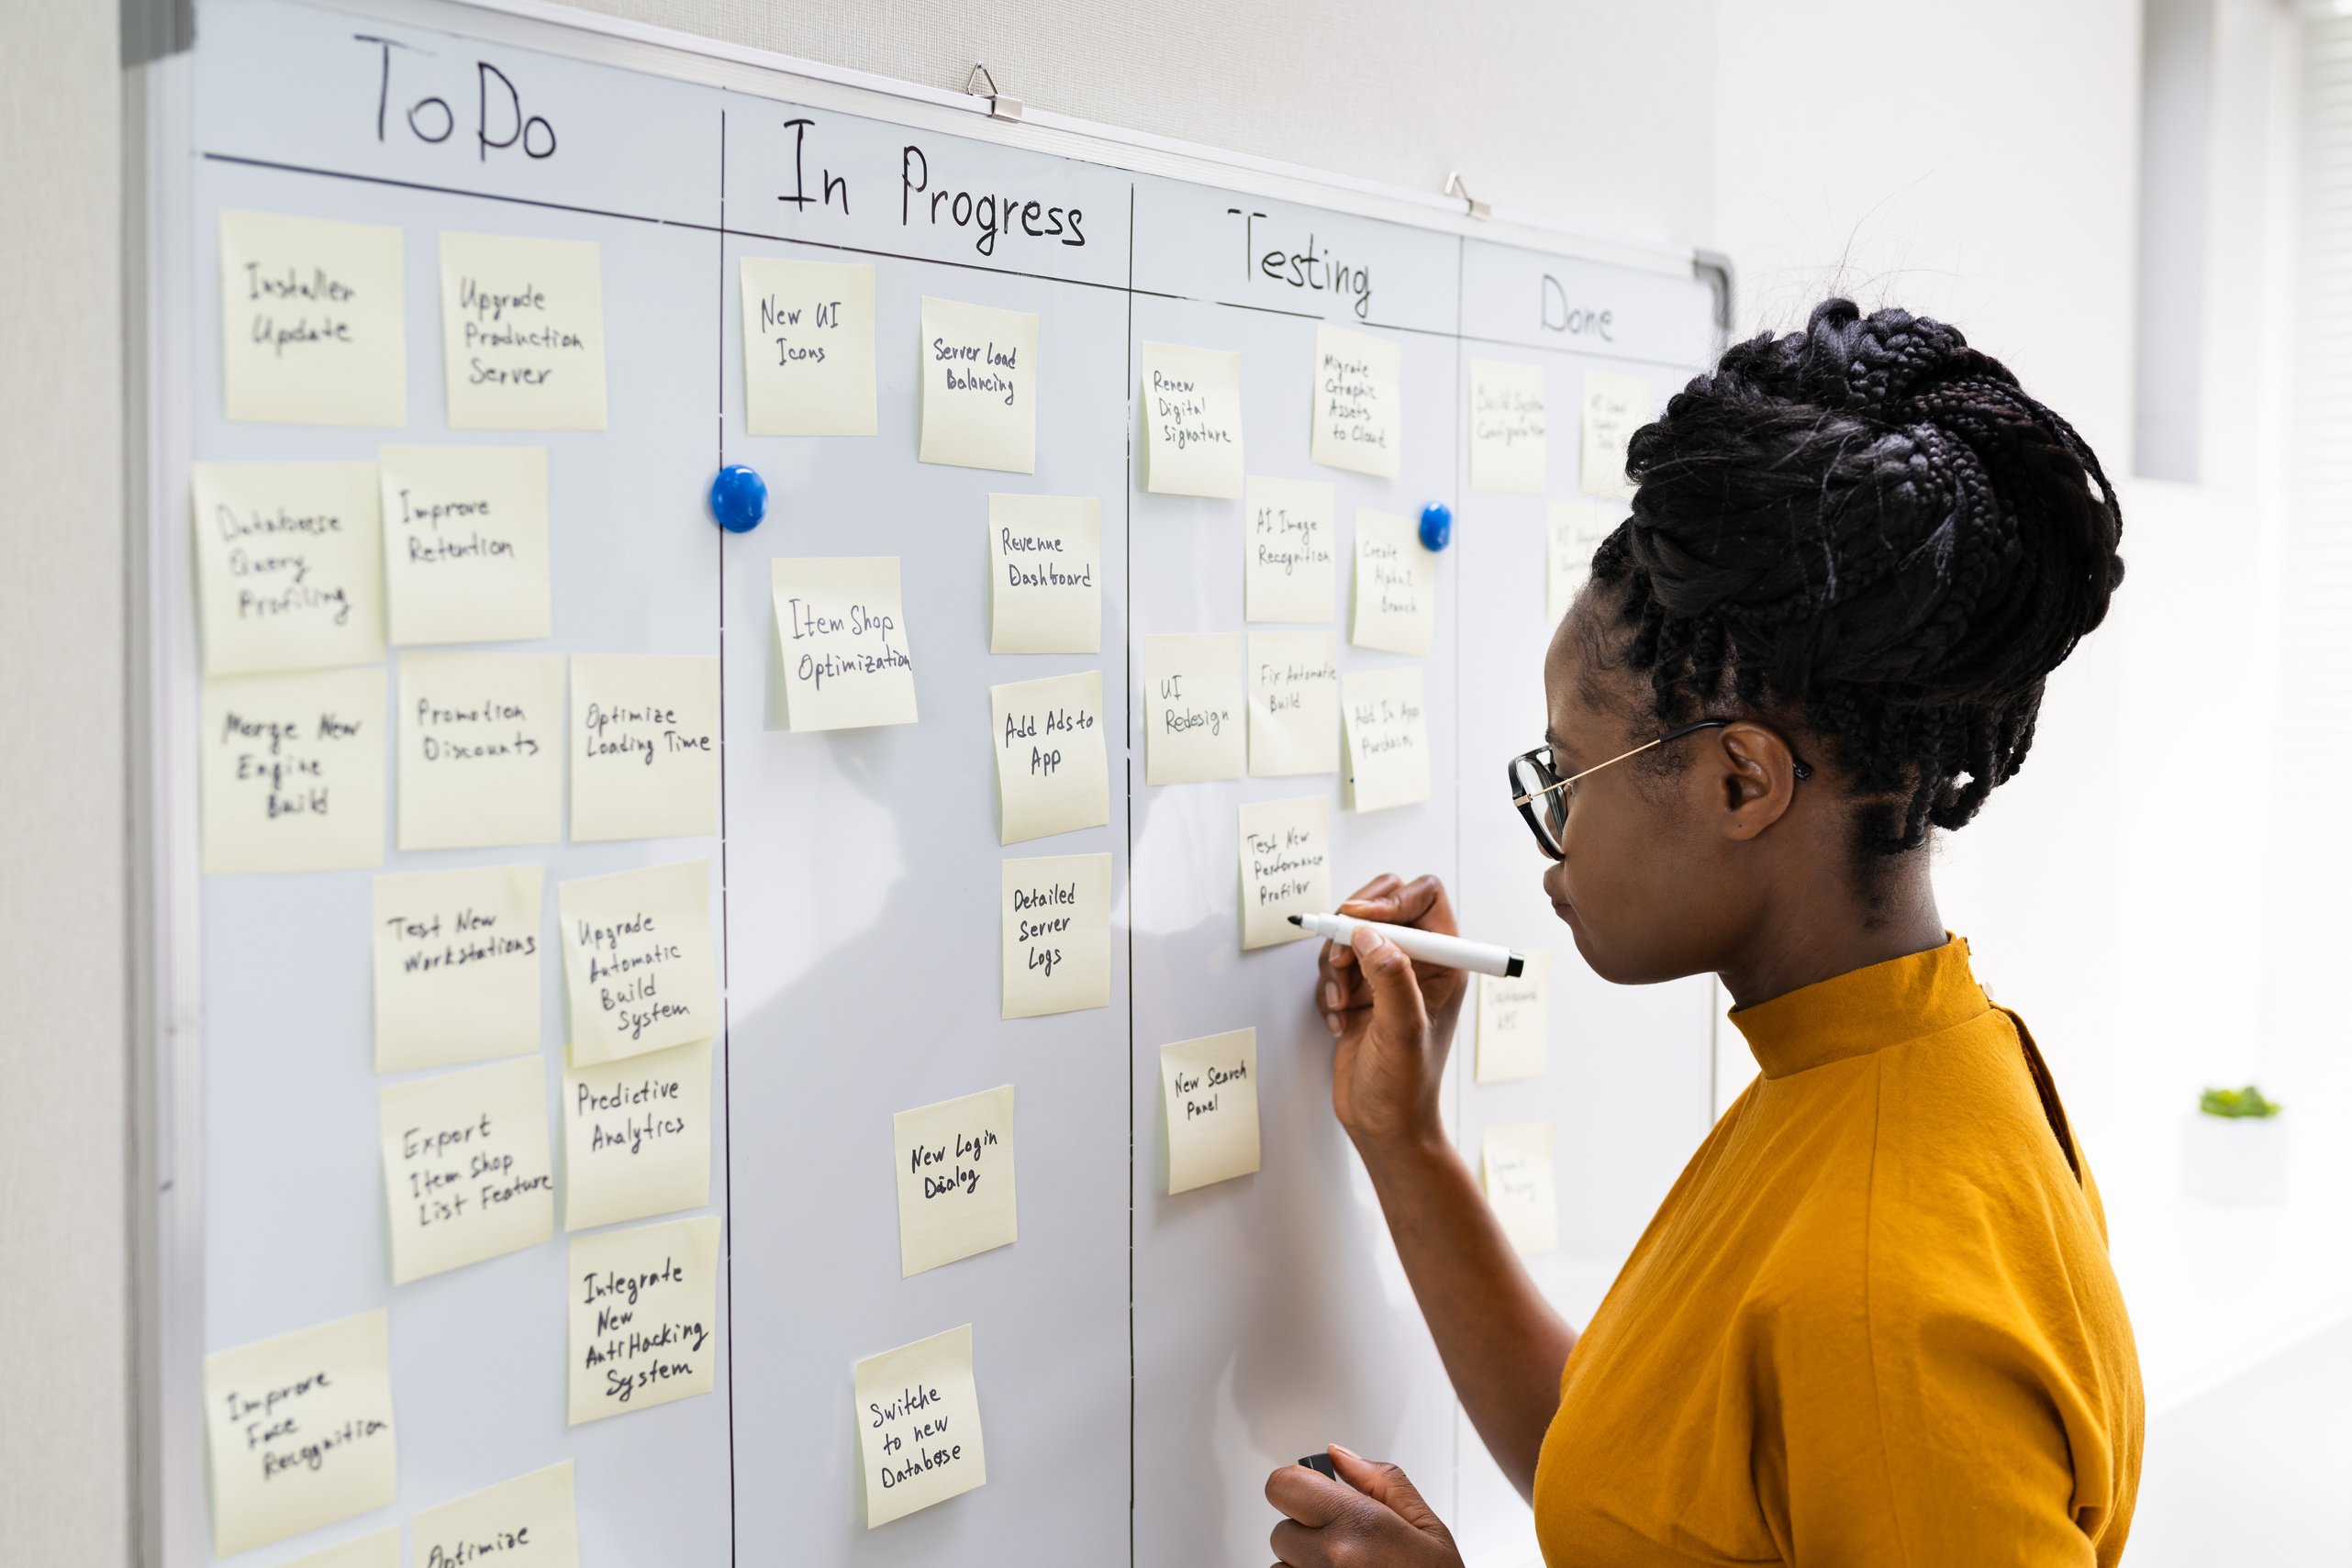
980 85
1454 187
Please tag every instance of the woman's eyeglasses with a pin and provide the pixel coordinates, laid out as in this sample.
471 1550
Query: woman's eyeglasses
1542 794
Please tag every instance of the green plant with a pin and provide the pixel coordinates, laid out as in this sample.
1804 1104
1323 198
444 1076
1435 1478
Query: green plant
2247 1102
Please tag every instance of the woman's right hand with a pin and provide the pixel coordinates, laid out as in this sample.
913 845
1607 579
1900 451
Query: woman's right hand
1394 1018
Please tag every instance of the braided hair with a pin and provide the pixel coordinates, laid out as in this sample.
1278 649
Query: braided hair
1867 530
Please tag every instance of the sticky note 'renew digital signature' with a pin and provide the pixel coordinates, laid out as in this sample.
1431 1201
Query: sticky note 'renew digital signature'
1190 402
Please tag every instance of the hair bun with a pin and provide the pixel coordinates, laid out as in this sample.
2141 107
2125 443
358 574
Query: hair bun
1872 503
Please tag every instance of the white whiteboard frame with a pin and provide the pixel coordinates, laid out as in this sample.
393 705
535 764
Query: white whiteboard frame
167 1049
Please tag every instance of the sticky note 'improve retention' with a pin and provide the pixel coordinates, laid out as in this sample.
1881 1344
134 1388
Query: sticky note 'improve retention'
298 1429
955 1179
919 1426
466 543
1209 1091
642 1306
1056 935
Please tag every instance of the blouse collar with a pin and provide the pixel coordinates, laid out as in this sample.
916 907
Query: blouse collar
1863 1010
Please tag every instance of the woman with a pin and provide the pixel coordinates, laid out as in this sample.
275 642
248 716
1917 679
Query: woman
1872 1322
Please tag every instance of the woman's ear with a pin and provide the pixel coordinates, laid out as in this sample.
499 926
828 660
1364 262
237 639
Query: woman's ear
1757 773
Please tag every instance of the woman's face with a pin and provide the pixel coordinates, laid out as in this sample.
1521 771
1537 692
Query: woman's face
1648 886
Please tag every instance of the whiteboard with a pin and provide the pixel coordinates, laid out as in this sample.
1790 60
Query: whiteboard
1141 1361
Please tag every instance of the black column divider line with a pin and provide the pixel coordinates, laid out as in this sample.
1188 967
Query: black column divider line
1127 672
726 945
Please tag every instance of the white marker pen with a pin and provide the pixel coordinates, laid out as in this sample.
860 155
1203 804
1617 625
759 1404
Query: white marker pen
1429 947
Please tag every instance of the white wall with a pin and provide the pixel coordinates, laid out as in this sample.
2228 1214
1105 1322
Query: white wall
65 1441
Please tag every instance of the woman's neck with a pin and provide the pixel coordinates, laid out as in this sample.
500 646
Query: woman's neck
1824 931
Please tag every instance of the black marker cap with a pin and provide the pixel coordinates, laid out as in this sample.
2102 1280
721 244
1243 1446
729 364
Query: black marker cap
1515 968
1321 1463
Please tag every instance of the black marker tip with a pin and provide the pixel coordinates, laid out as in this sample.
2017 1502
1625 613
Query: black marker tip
1295 919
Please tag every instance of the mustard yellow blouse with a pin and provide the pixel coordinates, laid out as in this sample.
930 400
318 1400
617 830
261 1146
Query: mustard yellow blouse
1872 1324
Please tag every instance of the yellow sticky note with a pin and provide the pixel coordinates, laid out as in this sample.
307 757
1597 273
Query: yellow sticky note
842 661
919 1426
644 746
1573 530
1194 728
1192 421
298 1431
1289 537
644 1330
1045 575
636 1136
1285 867
379 1550
638 967
955 1179
1614 408
1387 739
481 750
312 328
466 543
289 565
466 1171
1209 1091
1396 585
1506 427
1358 404
1294 704
1515 1164
457 966
1515 1022
292 771
523 332
978 387
808 348
529 1522
1053 773
1056 935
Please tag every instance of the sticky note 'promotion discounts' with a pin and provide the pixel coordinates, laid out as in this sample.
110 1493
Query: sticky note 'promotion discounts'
481 750
636 1136
457 966
529 1522
1285 867
1194 725
1052 773
1396 585
644 746
919 1426
639 966
1056 935
298 1431
1289 537
643 1309
292 771
808 348
955 1179
1044 573
466 543
978 396
1515 1167
1191 408
289 565
523 333
1506 427
1386 733
1614 408
1515 1022
312 328
843 658
1573 530
1358 403
466 1171
1208 1093
1294 704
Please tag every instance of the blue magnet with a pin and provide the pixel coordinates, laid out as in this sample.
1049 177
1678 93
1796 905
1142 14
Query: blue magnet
738 499
1436 526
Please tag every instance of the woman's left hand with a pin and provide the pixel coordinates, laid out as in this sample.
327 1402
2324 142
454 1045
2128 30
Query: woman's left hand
1370 1517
